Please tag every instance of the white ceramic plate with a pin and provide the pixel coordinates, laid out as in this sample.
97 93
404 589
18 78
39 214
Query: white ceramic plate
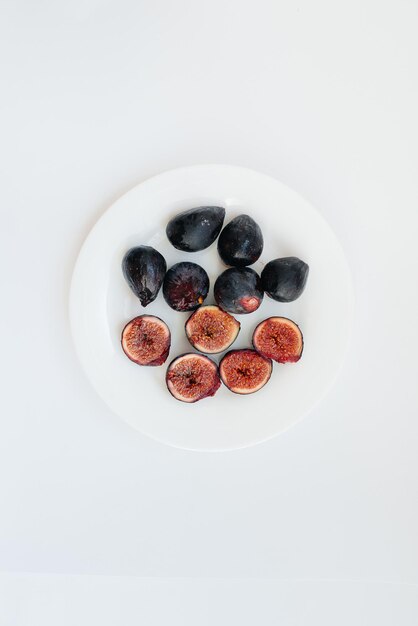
101 303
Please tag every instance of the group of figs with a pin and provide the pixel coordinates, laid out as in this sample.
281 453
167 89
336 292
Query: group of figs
212 329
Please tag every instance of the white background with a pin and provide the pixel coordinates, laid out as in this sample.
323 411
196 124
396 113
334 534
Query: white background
97 96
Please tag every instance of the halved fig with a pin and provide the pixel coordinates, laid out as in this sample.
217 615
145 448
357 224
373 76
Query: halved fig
211 330
245 371
280 339
192 377
146 340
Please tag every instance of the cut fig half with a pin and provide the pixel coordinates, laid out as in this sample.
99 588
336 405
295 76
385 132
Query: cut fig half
211 330
146 340
191 377
245 371
280 339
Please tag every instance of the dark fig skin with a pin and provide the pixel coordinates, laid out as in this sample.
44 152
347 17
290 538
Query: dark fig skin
144 269
241 242
185 286
238 290
196 229
284 279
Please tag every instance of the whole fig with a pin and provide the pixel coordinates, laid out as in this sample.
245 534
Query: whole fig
144 269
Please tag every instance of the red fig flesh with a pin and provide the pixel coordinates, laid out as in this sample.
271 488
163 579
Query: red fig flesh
280 339
245 371
211 330
192 377
146 340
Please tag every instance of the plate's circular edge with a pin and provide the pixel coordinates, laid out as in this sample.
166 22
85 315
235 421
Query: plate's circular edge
349 317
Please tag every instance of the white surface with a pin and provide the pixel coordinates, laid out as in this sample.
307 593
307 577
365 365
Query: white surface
99 96
45 600
101 304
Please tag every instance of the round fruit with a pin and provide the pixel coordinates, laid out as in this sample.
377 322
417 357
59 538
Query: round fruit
185 287
280 339
144 269
245 371
146 340
192 377
284 279
211 330
238 290
240 242
195 229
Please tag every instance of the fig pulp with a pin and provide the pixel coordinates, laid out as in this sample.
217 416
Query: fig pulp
284 279
245 371
144 269
185 287
280 339
238 290
146 340
195 229
241 242
211 330
192 377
